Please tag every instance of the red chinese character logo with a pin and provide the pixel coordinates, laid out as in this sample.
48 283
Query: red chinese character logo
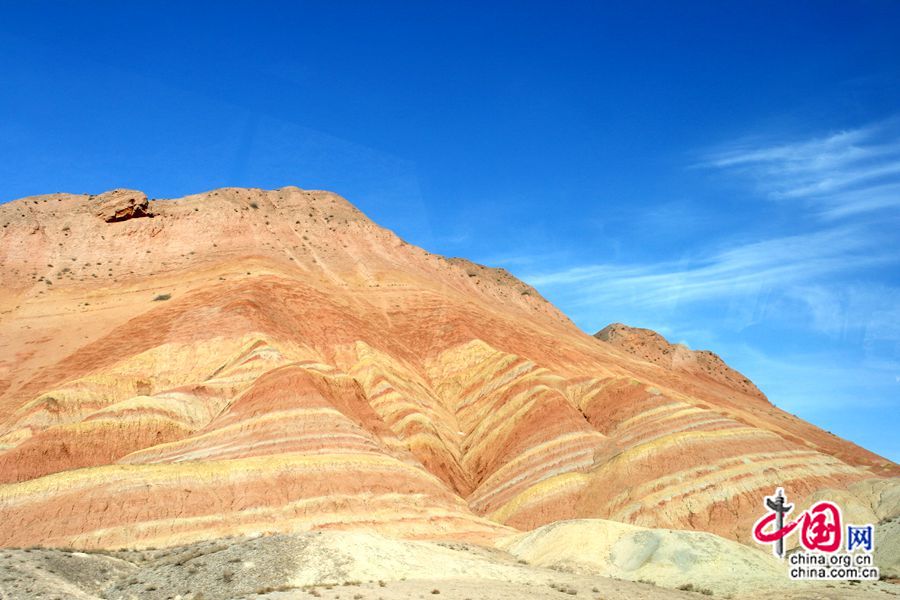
820 525
767 537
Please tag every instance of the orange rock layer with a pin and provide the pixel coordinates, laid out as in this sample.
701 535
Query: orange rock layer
245 361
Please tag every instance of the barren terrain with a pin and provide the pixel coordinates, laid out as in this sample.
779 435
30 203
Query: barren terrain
270 365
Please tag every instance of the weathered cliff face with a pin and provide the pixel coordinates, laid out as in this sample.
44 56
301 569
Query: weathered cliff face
250 360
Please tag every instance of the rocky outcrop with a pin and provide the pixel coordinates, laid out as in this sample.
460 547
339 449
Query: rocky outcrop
121 205
648 345
312 371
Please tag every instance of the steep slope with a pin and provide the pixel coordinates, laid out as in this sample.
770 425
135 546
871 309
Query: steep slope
243 361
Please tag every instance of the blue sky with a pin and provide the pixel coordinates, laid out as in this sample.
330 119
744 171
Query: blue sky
725 173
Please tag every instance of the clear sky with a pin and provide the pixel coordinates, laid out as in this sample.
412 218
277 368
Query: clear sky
726 173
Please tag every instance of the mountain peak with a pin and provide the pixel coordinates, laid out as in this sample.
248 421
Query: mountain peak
246 360
650 346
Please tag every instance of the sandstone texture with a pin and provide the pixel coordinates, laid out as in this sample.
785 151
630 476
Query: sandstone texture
252 362
121 205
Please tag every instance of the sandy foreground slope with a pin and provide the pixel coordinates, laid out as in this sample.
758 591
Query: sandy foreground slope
366 565
261 363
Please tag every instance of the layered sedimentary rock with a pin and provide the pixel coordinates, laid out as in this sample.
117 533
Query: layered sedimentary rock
121 205
254 361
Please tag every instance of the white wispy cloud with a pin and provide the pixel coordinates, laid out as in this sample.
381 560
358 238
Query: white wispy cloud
842 174
828 383
866 313
744 269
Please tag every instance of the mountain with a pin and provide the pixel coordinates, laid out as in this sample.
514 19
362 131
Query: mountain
244 361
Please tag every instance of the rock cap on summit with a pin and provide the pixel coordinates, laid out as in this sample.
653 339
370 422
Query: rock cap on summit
121 205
